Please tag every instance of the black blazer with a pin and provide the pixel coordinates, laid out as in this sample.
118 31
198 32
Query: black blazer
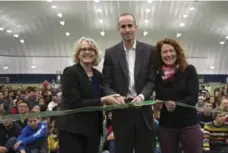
77 93
115 72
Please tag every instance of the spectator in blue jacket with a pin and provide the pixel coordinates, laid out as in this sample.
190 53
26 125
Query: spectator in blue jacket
33 137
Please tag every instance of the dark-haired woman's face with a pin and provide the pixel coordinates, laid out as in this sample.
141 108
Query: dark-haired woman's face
168 54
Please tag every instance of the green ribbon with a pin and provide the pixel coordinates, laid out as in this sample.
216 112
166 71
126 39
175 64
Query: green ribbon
85 109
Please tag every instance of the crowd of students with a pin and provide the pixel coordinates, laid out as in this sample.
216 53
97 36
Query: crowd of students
213 117
40 135
33 135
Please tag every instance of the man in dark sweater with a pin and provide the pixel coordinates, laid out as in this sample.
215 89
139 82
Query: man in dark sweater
9 131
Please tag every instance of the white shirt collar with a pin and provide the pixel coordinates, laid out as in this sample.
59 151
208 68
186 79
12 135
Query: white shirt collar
133 47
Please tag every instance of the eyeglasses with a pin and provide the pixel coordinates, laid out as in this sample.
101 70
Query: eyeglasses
87 49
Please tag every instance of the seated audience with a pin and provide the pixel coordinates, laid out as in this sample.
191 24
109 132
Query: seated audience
224 105
33 137
9 131
200 104
206 115
23 108
215 136
53 142
212 101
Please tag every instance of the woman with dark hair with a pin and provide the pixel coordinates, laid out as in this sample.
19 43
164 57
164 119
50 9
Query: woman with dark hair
177 81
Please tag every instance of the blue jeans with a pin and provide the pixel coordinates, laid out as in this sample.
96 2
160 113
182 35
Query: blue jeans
156 125
111 146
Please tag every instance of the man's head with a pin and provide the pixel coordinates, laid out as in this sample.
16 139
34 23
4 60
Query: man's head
22 106
127 26
219 115
32 92
7 122
224 105
201 100
207 107
33 122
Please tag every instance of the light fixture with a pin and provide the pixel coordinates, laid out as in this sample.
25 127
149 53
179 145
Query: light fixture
53 6
222 42
146 21
16 35
8 31
99 10
149 1
1 29
49 1
33 66
19 26
22 41
60 15
101 21
145 33
5 67
102 33
182 24
191 8
226 37
62 23
97 1
147 10
212 67
185 16
67 34
178 35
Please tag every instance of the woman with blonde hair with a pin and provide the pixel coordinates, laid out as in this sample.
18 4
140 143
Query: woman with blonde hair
82 87
177 81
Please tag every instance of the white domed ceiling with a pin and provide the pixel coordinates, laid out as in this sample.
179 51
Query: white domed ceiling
41 33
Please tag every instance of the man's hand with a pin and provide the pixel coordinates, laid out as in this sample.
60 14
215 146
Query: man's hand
22 151
206 149
170 106
16 146
137 99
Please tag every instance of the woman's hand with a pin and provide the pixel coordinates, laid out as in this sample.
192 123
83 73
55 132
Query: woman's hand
111 137
110 100
157 106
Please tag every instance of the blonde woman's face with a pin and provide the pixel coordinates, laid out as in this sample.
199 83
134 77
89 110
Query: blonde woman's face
168 54
87 53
